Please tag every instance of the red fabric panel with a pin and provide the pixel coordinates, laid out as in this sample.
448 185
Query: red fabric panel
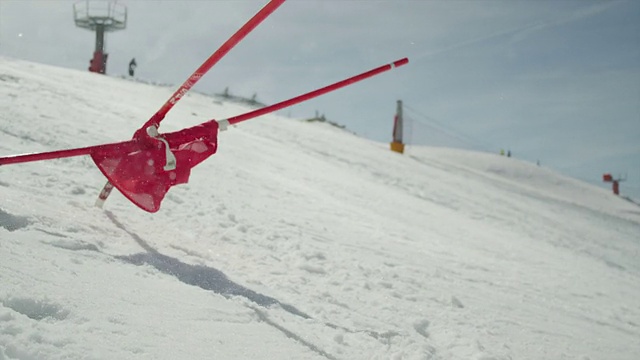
139 175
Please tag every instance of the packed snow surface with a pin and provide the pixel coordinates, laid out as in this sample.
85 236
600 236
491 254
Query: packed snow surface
297 240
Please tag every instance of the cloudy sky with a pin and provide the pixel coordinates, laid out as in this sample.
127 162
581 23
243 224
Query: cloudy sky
555 81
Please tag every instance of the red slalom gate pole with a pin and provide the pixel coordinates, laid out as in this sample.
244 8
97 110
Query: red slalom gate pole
212 60
155 120
131 145
310 95
58 154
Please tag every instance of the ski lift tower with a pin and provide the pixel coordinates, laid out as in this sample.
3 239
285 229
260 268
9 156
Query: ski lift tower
397 145
100 17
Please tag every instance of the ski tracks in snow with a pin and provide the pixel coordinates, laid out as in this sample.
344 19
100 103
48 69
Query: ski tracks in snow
290 320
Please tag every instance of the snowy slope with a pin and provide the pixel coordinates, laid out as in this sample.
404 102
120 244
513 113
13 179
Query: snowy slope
297 240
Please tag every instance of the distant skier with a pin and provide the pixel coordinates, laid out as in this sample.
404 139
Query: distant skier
132 66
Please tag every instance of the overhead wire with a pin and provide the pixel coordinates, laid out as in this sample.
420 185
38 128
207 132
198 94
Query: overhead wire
428 121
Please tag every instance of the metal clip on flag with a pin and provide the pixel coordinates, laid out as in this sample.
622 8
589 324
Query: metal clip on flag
145 168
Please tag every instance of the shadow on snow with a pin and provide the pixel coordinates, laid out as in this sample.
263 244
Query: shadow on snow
205 277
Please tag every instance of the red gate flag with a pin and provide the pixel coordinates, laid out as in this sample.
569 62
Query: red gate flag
144 174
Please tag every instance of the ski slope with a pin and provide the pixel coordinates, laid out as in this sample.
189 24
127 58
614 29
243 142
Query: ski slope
297 241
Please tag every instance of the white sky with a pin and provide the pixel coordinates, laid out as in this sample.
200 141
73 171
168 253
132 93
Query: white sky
555 81
325 246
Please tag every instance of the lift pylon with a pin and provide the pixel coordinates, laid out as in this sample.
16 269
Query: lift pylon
101 17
